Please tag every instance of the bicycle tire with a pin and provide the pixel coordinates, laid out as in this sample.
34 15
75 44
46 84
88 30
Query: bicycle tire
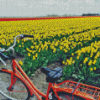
66 96
5 80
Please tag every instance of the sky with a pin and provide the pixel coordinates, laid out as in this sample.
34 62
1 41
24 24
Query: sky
32 8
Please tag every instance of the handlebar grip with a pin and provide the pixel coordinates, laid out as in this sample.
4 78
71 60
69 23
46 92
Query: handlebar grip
31 36
4 56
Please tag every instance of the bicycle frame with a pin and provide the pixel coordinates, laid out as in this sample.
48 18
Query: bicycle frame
18 72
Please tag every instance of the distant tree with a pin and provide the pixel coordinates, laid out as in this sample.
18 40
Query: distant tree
52 15
90 14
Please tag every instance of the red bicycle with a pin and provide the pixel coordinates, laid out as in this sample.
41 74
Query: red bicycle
18 86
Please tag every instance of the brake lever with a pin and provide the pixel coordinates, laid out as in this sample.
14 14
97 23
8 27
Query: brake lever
2 61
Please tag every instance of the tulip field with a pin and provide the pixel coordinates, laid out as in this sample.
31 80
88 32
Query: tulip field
73 42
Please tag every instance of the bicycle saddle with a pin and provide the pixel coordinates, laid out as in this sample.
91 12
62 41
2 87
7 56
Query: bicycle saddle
52 75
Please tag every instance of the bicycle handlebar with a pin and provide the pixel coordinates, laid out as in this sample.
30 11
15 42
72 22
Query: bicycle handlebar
31 36
21 37
12 47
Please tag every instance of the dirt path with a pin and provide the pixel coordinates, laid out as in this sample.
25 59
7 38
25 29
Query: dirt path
38 80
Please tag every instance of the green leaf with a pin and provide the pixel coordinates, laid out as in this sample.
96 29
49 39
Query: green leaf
43 58
46 61
80 80
29 73
96 75
75 76
17 50
23 50
32 74
79 71
81 77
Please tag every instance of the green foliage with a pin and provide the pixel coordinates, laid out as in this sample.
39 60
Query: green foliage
45 57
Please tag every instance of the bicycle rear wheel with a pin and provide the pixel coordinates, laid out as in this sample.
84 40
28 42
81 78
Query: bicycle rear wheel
66 96
19 90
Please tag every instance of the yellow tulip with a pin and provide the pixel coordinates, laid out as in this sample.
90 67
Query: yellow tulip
29 54
94 68
69 62
19 45
66 63
77 57
63 62
32 47
73 61
94 61
91 69
20 62
90 62
72 54
36 55
33 57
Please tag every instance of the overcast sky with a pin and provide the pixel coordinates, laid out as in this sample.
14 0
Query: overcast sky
29 8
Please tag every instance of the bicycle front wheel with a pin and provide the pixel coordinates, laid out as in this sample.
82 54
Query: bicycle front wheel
19 90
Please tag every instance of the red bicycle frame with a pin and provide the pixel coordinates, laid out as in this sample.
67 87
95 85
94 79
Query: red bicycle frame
18 72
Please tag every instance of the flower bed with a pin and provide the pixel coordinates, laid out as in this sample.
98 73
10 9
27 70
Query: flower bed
72 42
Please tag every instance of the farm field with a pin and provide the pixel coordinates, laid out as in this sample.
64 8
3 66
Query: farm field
74 43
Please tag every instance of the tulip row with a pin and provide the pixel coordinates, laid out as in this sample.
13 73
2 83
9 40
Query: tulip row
72 42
